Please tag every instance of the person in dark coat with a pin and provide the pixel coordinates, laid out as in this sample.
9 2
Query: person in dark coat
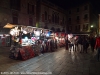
85 44
80 44
97 47
92 43
66 43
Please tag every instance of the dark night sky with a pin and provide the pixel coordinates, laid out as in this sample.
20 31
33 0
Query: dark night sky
71 3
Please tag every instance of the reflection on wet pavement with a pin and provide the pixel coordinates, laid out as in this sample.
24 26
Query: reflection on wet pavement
60 62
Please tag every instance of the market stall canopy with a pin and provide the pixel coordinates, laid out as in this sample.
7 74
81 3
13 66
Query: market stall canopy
8 25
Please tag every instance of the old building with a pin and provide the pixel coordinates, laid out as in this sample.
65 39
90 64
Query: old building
40 13
50 16
82 19
20 12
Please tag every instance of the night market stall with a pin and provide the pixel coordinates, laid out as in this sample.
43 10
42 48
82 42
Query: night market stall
21 43
28 42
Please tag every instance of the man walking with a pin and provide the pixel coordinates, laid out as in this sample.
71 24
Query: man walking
92 43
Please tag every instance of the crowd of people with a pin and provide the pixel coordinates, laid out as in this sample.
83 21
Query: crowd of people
82 43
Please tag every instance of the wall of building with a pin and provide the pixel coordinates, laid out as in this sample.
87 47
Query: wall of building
50 9
6 13
24 16
84 23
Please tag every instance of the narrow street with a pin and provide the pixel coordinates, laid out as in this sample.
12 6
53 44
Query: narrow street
60 62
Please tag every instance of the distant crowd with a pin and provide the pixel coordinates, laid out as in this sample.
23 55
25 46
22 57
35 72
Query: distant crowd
82 43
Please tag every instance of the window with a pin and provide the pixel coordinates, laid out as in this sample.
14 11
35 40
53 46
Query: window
42 17
70 28
75 27
58 18
53 18
30 21
86 7
49 18
15 17
15 4
63 20
15 20
78 18
78 26
85 27
86 16
45 15
69 20
77 9
30 9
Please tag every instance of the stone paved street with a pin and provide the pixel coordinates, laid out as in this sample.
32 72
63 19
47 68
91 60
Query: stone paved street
60 62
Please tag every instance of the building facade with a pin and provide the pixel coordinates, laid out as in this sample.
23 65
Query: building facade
40 13
82 19
50 16
20 12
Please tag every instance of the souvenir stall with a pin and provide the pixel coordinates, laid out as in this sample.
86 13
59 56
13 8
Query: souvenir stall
60 37
38 37
28 42
22 43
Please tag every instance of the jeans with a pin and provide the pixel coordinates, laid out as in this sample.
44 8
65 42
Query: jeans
98 53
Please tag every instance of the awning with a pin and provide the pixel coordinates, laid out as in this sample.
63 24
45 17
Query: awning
8 25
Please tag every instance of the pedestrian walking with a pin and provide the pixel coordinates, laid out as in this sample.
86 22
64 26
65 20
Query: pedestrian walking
92 43
80 44
97 47
66 43
85 44
76 43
